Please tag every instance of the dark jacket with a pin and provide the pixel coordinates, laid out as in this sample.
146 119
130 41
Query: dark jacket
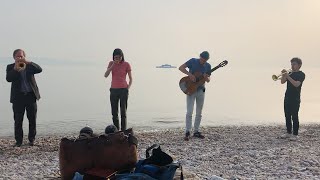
14 77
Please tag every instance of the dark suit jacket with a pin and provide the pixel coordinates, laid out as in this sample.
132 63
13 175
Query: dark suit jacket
14 77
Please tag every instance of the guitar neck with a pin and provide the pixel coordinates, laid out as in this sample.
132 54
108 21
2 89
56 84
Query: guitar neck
202 80
213 69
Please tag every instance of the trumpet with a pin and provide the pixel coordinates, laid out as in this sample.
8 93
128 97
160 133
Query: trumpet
22 65
278 77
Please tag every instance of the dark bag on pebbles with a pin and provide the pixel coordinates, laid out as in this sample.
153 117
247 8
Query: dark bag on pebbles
158 166
106 153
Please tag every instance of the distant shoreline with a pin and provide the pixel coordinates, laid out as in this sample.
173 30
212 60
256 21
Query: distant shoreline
159 129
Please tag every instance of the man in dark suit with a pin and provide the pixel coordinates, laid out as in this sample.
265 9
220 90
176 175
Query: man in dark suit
24 94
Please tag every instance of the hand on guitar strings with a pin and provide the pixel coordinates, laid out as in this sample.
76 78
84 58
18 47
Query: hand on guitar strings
192 77
206 77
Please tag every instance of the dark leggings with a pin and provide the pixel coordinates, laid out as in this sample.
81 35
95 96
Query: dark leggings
121 95
291 111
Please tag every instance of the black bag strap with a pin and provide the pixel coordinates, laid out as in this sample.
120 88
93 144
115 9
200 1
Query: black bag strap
181 174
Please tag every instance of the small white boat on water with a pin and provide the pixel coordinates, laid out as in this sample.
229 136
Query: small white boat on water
166 66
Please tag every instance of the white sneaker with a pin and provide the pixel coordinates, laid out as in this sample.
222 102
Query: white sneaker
285 136
293 138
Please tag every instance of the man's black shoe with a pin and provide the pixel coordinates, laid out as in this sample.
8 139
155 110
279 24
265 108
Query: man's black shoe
31 143
187 137
198 135
17 145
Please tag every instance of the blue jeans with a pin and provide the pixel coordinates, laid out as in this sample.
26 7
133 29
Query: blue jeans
199 98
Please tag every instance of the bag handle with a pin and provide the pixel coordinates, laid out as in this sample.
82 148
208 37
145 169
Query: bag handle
181 174
150 148
132 139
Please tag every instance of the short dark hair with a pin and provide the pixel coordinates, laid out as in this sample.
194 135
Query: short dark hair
297 60
118 52
17 50
205 55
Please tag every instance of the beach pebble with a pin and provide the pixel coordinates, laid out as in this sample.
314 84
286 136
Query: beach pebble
215 178
244 152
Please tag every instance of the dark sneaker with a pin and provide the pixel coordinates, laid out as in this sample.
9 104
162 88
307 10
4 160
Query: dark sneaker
187 137
285 136
31 143
17 144
294 138
198 135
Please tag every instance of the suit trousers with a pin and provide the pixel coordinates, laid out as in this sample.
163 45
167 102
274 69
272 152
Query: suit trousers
27 103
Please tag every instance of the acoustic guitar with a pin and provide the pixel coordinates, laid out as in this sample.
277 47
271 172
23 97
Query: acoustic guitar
189 87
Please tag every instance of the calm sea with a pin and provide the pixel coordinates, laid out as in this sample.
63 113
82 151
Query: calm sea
74 96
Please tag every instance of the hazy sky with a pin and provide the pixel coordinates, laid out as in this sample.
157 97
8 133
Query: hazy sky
247 32
257 37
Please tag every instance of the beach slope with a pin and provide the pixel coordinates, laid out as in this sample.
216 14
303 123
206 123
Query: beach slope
231 152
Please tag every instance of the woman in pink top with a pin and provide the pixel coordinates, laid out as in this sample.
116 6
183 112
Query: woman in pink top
119 90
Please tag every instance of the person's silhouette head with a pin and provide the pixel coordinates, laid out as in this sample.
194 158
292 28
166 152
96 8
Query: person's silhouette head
111 129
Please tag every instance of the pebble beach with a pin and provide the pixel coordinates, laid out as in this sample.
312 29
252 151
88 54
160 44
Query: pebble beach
227 152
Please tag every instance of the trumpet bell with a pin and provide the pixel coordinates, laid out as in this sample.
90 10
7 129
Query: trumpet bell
22 65
275 77
278 77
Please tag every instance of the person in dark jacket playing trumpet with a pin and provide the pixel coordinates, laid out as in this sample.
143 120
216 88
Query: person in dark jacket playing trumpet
24 94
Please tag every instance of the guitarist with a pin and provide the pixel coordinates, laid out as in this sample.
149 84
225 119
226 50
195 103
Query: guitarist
196 66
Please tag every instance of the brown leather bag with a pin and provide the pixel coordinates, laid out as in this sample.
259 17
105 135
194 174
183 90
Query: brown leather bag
111 152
